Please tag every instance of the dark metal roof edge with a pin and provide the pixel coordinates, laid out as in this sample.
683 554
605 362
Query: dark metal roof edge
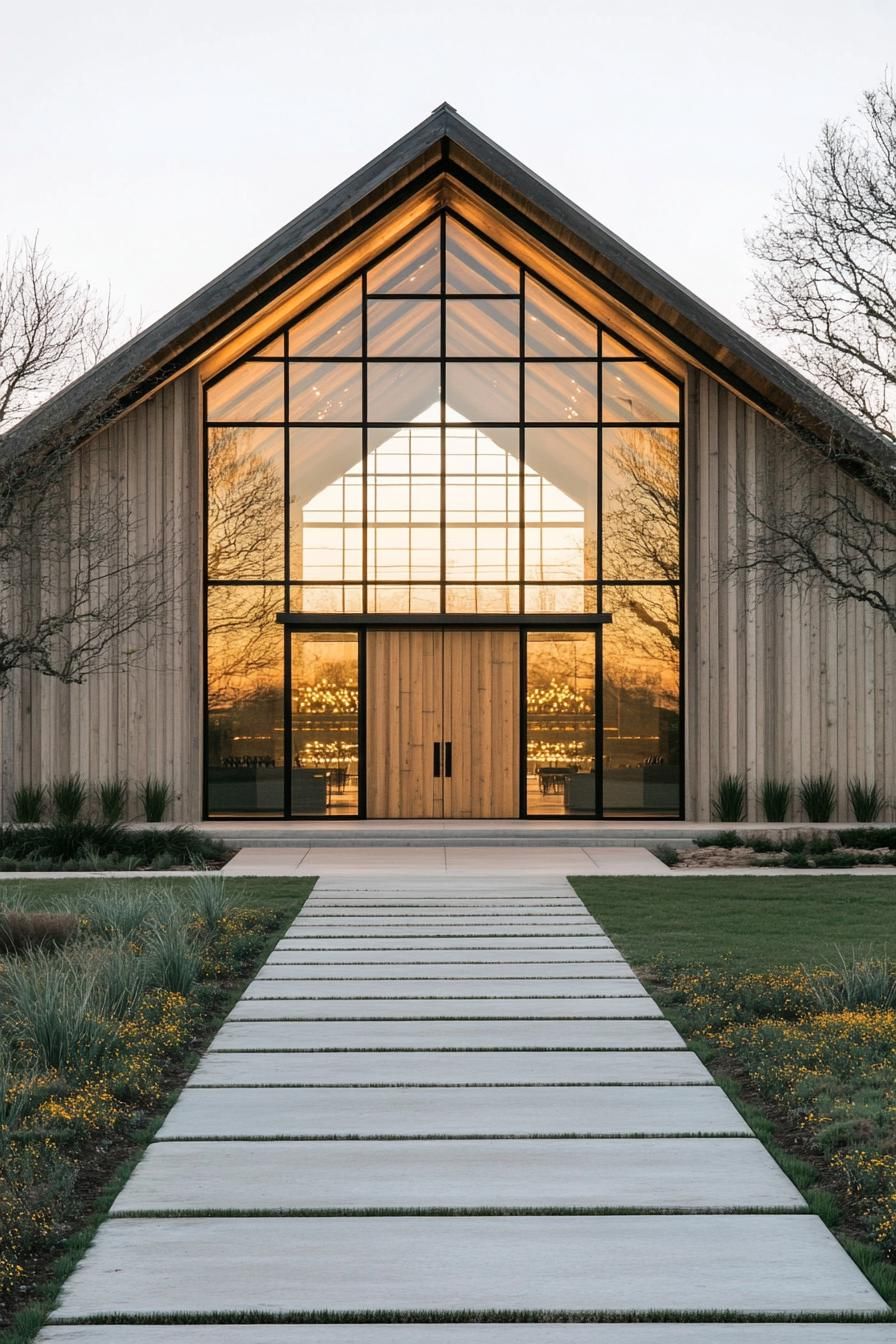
148 353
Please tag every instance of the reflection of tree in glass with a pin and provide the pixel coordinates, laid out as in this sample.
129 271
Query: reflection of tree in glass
641 645
641 538
245 645
245 508
245 540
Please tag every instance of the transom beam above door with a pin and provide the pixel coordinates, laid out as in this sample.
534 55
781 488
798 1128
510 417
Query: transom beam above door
397 620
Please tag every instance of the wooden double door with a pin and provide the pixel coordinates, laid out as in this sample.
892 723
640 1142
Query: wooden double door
443 723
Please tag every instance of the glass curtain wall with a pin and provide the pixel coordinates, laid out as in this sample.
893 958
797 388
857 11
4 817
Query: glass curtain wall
444 434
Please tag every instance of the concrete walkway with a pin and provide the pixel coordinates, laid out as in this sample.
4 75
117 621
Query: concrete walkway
449 1097
461 861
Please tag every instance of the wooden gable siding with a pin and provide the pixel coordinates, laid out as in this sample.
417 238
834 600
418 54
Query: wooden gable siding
777 683
144 715
780 682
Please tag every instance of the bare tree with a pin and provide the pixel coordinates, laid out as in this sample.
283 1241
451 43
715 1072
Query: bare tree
641 535
76 591
827 289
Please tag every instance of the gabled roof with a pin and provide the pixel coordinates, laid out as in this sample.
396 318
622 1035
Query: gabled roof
442 144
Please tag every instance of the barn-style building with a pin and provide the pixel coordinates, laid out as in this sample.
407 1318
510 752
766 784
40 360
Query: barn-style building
448 482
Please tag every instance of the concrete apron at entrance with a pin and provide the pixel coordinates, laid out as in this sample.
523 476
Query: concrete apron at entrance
447 1112
411 860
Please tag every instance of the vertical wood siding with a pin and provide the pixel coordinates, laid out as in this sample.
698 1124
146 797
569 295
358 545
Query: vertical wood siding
782 683
778 683
144 716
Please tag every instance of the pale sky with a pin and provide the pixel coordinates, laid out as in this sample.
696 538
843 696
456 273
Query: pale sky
152 144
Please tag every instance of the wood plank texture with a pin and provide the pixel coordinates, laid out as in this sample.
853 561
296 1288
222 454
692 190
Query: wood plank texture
404 720
482 678
426 687
777 682
143 715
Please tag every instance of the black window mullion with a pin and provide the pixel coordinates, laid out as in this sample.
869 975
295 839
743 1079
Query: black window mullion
524 724
600 458
443 432
600 586
365 532
287 722
521 449
599 721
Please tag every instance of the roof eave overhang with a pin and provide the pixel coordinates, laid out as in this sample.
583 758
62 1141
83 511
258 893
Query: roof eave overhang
443 144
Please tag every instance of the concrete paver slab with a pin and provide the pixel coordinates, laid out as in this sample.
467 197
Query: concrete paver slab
269 1005
546 1333
371 1112
277 980
625 860
396 909
297 938
450 961
347 1068
443 894
752 1263
464 1174
629 1034
439 929
472 883
442 914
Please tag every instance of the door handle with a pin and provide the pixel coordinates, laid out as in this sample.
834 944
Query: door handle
447 760
436 759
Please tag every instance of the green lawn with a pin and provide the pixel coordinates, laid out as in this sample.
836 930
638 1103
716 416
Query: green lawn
753 922
275 893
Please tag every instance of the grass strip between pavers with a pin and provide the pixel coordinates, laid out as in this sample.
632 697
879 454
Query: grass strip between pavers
401 1138
461 1317
469 1210
455 1049
444 1017
397 1086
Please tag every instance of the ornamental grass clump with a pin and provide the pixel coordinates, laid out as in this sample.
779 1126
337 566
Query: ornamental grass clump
775 796
109 911
866 800
24 929
730 801
172 959
155 797
818 797
112 797
28 803
68 797
52 1010
210 901
121 977
855 980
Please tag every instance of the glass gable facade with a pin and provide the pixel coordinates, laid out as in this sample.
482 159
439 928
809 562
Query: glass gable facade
445 434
